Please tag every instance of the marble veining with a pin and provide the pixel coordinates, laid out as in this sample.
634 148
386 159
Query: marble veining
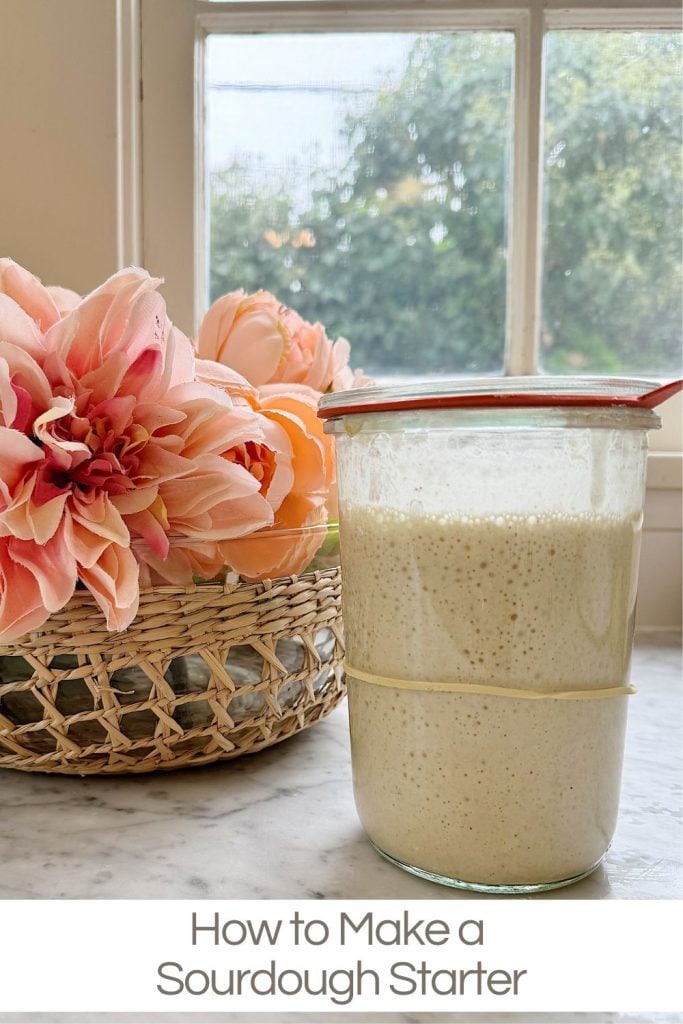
282 824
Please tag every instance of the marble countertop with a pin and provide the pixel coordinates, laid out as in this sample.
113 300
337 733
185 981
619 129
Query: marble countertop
282 824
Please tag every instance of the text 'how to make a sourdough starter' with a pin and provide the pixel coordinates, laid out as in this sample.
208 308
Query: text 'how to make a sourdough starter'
342 982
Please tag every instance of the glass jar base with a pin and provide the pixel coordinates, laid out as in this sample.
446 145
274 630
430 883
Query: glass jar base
495 890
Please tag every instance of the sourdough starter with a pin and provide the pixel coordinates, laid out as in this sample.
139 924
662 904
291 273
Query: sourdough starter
481 788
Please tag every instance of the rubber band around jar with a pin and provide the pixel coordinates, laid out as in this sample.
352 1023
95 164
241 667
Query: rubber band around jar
496 691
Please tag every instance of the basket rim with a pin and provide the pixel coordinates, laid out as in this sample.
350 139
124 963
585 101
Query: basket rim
89 615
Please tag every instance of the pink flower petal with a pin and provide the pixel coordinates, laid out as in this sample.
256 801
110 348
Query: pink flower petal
309 459
152 525
227 379
21 604
245 332
9 399
135 324
295 407
277 440
18 328
97 513
24 408
299 392
147 367
179 367
134 501
113 582
17 453
102 382
52 565
273 553
309 356
84 545
76 337
157 465
217 324
210 429
118 410
95 328
64 298
66 454
212 481
154 417
198 391
24 388
29 293
233 518
28 519
25 372
186 560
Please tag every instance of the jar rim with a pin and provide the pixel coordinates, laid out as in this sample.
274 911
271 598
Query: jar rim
499 392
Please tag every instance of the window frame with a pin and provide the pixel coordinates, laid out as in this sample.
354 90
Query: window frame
172 176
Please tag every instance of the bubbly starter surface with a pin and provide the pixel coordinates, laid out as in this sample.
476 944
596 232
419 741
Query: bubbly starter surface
477 787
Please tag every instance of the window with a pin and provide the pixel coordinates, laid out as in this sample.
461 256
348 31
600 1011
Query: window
611 294
457 188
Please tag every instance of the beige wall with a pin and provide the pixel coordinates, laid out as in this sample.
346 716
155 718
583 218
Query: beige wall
170 244
58 170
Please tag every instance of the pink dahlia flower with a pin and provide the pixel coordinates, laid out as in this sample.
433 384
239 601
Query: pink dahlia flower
106 436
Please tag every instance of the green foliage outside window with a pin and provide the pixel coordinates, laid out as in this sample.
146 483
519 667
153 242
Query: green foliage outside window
403 250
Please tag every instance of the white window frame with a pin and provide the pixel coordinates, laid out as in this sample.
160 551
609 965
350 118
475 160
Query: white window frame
165 177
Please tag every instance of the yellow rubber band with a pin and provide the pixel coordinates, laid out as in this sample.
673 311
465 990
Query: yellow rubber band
496 691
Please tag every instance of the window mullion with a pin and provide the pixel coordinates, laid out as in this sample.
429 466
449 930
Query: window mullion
524 261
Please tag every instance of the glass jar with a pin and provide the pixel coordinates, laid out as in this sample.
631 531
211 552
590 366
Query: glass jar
489 540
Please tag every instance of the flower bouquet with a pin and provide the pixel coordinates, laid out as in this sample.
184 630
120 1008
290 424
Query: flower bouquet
159 503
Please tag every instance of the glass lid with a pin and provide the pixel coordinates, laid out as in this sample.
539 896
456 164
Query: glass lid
494 392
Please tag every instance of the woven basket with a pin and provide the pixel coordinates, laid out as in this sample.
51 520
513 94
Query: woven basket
203 674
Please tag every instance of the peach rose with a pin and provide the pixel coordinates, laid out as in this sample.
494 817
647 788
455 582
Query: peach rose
288 412
289 545
309 355
247 333
281 550
270 344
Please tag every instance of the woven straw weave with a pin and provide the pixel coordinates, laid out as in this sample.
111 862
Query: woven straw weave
203 674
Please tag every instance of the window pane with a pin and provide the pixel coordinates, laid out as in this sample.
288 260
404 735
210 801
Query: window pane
612 260
362 179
